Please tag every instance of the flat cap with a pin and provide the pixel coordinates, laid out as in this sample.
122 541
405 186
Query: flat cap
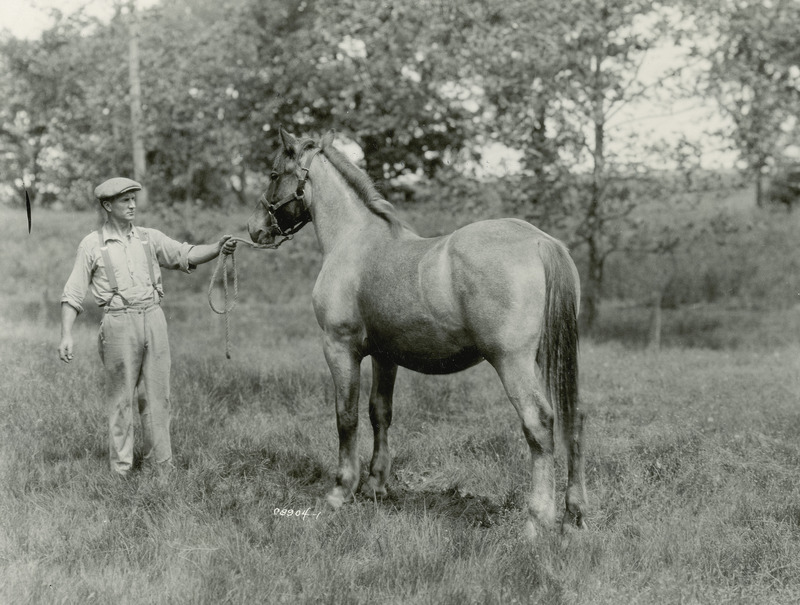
114 187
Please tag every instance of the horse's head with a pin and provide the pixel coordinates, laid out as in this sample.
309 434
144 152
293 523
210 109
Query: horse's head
282 209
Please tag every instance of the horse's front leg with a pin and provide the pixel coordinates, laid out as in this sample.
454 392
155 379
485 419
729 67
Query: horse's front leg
345 365
380 415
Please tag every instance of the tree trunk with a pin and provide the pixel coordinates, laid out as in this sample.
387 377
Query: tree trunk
242 188
32 186
591 290
593 222
759 189
589 310
137 126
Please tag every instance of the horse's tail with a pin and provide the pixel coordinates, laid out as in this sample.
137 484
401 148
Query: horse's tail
558 348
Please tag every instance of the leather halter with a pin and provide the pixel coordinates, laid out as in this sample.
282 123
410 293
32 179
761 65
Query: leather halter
273 207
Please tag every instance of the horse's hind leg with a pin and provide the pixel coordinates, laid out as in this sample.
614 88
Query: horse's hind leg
522 386
576 482
380 415
345 369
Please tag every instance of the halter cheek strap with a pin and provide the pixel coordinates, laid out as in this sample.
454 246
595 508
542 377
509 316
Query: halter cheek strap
299 195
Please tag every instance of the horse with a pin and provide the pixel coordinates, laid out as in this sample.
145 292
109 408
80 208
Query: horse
500 291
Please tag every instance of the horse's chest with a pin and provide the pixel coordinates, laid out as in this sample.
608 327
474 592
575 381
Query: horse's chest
335 302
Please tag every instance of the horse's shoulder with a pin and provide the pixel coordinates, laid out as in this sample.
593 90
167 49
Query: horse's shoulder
338 279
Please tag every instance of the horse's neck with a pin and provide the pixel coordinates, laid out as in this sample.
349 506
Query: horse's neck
337 213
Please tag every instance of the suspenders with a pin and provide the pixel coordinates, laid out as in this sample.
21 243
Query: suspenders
112 278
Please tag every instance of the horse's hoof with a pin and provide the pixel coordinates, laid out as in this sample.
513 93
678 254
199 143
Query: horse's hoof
372 491
335 498
570 525
532 531
574 517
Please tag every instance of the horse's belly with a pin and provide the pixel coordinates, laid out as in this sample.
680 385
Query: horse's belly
449 365
425 359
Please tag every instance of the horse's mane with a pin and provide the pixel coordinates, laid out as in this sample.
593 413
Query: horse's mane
364 188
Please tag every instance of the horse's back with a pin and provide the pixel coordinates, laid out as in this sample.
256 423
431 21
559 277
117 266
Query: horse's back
495 235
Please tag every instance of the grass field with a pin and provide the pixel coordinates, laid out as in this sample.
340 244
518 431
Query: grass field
692 463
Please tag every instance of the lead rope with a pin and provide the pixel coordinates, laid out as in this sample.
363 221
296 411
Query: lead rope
222 265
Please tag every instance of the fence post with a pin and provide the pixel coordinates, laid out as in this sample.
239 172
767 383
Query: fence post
654 333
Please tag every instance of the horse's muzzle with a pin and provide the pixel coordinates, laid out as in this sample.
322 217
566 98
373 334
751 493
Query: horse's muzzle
264 236
262 232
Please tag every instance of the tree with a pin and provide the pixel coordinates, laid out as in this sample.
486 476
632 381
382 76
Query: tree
38 78
72 103
192 67
574 67
601 76
511 52
367 70
59 123
754 73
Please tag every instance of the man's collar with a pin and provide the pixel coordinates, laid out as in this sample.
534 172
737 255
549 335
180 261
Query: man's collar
112 233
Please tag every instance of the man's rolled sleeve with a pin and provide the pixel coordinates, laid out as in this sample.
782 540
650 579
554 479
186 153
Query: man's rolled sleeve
171 253
78 283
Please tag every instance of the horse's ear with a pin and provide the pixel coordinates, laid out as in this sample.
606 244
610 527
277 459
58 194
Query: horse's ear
288 142
327 140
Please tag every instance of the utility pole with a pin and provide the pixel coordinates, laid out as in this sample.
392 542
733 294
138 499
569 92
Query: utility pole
137 121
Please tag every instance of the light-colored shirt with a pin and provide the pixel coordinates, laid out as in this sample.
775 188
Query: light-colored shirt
130 267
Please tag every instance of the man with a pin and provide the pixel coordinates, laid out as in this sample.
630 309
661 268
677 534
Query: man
120 264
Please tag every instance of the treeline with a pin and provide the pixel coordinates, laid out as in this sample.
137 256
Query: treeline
422 88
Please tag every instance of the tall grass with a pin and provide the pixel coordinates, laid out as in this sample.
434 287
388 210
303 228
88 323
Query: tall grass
692 465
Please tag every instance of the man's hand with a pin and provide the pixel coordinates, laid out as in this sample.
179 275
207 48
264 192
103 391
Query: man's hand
203 253
68 315
227 244
65 348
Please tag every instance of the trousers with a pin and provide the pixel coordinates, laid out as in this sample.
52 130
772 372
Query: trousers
134 348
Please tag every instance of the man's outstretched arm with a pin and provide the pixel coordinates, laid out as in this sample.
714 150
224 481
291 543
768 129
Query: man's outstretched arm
206 252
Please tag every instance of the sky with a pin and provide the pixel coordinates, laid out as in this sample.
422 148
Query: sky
688 118
28 18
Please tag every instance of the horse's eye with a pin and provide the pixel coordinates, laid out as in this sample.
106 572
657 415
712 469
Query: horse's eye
273 176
